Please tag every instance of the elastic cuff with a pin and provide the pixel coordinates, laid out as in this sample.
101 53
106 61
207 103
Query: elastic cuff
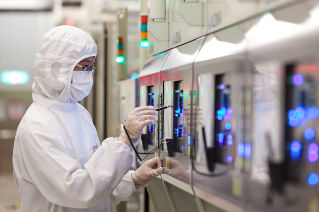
131 178
123 137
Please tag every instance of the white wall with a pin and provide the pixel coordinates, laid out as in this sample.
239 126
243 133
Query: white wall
26 4
19 39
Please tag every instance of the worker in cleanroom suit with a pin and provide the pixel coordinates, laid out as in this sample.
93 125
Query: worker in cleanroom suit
59 163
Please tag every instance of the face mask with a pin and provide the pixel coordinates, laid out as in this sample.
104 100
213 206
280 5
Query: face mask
82 82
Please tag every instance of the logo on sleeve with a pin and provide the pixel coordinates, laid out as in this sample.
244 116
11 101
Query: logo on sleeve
95 147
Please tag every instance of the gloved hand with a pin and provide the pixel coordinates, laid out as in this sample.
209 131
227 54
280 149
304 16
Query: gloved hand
135 121
147 171
176 169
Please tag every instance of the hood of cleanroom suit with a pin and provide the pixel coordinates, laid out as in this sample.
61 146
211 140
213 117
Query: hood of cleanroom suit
59 162
60 50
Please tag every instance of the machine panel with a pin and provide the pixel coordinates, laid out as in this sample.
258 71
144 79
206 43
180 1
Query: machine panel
223 121
150 95
176 82
220 127
284 116
241 124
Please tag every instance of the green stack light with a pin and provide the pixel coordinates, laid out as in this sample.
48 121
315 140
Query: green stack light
120 51
144 43
120 59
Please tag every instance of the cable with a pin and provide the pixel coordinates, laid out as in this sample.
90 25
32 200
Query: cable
207 174
207 159
129 138
136 152
151 152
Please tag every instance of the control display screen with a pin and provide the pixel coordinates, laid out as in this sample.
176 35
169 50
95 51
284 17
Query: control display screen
179 129
150 101
223 126
301 121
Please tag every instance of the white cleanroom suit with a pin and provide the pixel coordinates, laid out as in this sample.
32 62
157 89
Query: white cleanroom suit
59 163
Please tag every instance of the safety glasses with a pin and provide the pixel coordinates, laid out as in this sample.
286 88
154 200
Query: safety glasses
86 68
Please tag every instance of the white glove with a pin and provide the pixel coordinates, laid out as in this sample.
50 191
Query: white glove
175 169
147 171
135 121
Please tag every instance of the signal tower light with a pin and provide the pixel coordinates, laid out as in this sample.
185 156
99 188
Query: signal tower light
144 39
120 52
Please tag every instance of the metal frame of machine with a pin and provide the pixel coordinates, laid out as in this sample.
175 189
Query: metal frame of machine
244 106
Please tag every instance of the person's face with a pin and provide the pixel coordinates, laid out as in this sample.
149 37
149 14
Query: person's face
90 62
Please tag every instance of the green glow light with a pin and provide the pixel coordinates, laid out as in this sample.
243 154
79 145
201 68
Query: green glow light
134 76
120 59
160 54
14 77
144 43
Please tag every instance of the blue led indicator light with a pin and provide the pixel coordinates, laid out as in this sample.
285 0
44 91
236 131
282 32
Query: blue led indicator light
309 134
247 151
300 112
229 158
189 140
222 87
221 112
228 126
291 114
241 149
220 117
313 179
229 140
297 79
293 123
296 116
295 149
220 138
313 153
